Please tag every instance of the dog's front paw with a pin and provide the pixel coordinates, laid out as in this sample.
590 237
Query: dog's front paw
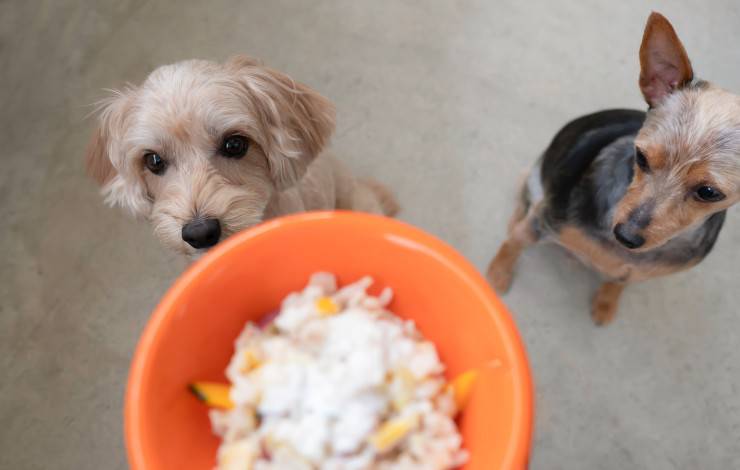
605 303
500 275
602 311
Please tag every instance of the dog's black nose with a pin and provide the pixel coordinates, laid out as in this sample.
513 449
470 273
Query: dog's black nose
627 238
202 233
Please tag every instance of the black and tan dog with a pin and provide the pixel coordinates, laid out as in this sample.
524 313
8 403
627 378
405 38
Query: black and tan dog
635 195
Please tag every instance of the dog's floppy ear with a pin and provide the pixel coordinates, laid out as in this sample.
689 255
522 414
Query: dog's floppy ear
295 122
664 64
97 161
110 122
121 184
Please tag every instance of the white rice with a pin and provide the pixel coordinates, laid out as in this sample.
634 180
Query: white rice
316 390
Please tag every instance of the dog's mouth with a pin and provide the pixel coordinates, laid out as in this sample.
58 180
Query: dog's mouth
197 253
636 243
196 233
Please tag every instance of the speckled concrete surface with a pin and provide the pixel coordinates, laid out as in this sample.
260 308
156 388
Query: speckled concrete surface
445 101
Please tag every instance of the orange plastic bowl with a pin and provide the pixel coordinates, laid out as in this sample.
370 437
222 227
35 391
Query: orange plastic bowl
191 333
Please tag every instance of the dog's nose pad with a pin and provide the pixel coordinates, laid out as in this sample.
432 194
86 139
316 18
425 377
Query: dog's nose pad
202 233
629 239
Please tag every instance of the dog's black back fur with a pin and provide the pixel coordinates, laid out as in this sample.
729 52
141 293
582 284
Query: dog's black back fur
585 172
573 150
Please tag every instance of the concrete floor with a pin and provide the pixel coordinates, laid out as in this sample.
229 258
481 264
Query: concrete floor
447 103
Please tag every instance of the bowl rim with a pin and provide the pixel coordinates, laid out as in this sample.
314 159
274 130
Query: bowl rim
162 314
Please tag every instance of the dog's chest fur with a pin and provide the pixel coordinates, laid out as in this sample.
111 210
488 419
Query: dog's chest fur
576 185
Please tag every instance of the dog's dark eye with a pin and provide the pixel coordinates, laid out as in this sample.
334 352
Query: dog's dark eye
234 146
641 161
709 194
155 163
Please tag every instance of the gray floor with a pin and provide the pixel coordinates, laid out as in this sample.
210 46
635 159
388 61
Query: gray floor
447 103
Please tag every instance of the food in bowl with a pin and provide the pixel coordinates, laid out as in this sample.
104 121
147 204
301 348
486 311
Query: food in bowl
337 382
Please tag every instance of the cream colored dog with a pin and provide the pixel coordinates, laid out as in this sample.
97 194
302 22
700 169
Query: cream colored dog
203 150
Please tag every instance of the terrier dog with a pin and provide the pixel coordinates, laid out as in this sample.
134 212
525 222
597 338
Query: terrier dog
635 195
203 150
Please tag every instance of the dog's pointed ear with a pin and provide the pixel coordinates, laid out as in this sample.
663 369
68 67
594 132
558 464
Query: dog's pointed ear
295 122
664 64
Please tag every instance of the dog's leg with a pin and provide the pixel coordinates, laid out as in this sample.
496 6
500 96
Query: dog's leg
606 302
521 235
370 196
501 269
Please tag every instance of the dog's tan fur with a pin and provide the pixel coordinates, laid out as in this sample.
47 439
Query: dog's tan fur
183 111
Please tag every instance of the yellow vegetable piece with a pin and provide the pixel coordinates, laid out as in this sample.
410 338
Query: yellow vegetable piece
326 306
251 361
462 386
213 394
391 433
402 388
